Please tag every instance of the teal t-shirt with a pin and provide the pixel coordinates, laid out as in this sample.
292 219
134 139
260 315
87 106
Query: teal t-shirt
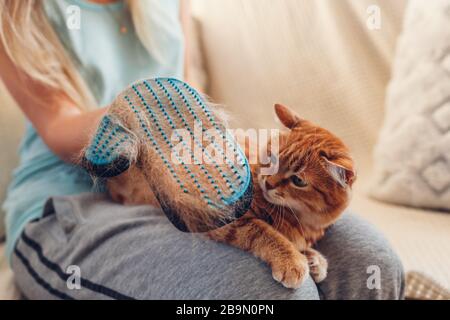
109 60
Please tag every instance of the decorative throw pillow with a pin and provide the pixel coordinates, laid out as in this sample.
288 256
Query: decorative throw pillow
412 157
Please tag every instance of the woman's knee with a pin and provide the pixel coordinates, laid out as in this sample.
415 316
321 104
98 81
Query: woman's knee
362 264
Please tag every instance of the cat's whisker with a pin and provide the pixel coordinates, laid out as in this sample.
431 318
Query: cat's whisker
288 206
276 221
301 229
275 215
280 215
293 213
296 218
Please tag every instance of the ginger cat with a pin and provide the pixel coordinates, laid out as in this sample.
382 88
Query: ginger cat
290 210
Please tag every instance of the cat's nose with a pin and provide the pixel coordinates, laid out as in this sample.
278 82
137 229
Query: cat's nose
269 186
271 183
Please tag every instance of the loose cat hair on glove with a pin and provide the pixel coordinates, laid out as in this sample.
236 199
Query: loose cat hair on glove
197 172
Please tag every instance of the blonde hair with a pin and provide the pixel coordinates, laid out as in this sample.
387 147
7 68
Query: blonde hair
33 46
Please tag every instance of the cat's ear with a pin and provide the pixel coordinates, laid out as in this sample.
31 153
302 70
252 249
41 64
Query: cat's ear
343 175
287 117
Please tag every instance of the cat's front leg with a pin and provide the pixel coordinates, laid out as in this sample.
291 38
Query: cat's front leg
289 265
318 264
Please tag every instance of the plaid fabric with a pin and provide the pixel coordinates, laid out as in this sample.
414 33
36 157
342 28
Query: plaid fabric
421 287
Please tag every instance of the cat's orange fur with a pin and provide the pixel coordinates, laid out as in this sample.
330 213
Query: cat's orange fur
285 219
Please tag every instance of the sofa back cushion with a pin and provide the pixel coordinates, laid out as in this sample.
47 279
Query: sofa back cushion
318 57
11 130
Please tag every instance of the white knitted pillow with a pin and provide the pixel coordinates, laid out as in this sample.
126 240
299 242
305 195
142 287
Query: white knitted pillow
412 157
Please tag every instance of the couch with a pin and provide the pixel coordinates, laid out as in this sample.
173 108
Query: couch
324 60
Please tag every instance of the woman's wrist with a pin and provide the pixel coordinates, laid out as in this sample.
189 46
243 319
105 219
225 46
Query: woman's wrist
69 132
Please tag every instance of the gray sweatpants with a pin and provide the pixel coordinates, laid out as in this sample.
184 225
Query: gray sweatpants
86 247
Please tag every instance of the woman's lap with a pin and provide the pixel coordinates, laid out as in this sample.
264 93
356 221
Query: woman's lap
361 262
134 252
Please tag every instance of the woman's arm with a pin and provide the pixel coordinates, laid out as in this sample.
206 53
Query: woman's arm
185 18
186 22
63 126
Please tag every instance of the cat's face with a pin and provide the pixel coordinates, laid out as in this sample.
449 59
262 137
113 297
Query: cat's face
313 183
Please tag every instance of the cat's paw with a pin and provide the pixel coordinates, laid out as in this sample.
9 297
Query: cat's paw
318 265
292 271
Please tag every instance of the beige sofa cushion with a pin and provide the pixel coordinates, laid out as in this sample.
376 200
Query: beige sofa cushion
8 290
412 158
421 238
11 131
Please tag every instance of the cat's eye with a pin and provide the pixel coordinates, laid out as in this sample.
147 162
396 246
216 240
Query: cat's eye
298 182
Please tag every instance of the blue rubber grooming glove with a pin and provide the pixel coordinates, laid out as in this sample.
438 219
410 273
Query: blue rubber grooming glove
196 170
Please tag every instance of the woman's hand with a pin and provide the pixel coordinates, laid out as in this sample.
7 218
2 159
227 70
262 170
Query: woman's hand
64 127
